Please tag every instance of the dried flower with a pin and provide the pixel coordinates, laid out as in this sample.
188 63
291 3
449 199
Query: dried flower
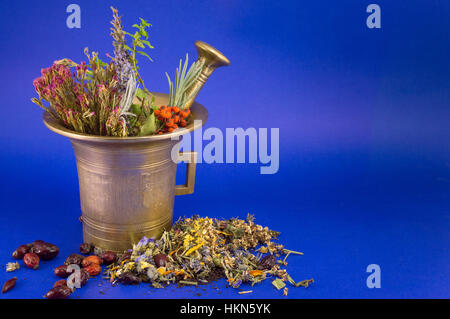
12 266
278 283
97 98
121 57
198 250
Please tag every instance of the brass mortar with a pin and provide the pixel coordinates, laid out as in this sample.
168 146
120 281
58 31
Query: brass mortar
127 184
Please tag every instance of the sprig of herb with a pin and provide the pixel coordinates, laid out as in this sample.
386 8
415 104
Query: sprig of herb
128 97
139 40
183 81
303 283
139 116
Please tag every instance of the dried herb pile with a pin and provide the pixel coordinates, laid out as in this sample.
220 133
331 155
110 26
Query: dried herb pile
199 250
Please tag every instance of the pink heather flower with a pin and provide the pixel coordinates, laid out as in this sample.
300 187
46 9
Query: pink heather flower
82 67
45 71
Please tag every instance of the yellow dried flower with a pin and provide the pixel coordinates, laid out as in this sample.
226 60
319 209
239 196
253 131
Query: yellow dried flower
190 251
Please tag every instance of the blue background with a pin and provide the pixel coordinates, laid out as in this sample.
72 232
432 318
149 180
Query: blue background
364 136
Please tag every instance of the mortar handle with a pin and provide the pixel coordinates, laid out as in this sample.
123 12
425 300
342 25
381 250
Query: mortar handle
188 187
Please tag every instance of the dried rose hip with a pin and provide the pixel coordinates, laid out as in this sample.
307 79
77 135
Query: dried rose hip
74 259
63 271
267 262
59 292
21 251
91 260
61 282
45 251
108 257
129 279
31 260
9 284
85 248
93 269
160 260
84 277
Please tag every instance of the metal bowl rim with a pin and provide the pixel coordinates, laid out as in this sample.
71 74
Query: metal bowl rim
199 112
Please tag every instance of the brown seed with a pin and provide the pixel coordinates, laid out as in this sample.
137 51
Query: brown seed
160 260
21 251
85 248
74 259
31 260
45 251
91 260
93 269
63 271
61 282
108 257
59 292
9 284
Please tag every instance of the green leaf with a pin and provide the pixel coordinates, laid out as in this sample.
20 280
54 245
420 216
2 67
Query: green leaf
140 93
140 44
144 33
144 23
147 43
152 103
144 54
149 126
136 109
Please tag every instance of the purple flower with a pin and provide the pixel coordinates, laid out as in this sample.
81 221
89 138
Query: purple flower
145 241
121 57
237 283
142 257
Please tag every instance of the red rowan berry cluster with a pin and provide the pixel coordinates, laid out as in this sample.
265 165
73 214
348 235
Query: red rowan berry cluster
171 117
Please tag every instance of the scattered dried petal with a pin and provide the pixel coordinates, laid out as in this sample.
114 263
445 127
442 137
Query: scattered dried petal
12 266
278 283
